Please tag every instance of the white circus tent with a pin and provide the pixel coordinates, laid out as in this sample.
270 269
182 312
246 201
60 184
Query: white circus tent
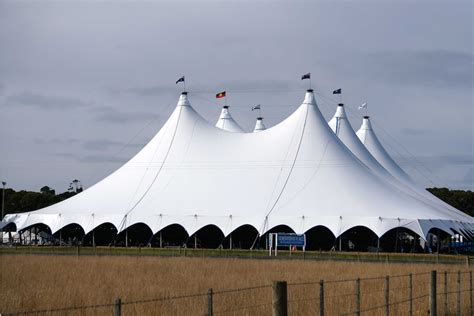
297 173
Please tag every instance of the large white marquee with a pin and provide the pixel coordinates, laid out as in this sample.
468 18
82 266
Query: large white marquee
298 173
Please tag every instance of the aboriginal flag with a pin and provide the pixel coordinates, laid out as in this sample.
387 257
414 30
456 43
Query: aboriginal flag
220 95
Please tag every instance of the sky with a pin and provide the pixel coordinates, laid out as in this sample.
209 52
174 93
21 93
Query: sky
85 84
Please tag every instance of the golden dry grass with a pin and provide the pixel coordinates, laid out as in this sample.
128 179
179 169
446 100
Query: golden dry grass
34 282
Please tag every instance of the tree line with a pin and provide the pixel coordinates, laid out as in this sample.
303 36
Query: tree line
26 201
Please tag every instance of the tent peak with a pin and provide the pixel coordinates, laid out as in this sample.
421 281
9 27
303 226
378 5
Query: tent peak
366 123
340 111
226 122
259 126
183 99
309 97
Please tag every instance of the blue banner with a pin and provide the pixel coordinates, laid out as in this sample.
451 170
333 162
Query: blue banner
291 240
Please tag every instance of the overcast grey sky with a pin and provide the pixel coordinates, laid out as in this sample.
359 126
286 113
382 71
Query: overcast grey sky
84 85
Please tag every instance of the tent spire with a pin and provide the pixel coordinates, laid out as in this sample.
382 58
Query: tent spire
227 123
259 126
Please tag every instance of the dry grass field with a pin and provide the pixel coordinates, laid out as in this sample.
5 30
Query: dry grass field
35 282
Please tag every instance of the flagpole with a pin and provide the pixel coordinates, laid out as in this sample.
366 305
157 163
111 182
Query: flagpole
184 84
310 82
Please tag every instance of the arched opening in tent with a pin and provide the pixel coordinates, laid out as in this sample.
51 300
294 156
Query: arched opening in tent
173 235
262 241
136 235
210 236
71 234
437 241
358 238
9 233
37 234
241 237
400 239
319 238
102 235
10 227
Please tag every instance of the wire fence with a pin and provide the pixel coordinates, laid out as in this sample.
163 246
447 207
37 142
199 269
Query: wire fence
443 293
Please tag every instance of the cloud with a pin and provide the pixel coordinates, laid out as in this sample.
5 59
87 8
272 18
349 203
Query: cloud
107 144
469 178
145 91
102 159
430 68
436 161
111 115
66 155
416 131
60 141
46 102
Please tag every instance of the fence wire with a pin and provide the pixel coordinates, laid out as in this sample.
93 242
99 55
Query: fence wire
398 294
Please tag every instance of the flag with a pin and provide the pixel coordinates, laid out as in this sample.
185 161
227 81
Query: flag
220 95
338 91
257 107
180 80
306 76
363 106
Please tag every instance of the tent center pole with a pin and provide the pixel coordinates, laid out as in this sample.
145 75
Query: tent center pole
161 240
195 241
230 241
126 237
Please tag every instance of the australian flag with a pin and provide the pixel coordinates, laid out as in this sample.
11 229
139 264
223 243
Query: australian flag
338 91
180 80
306 76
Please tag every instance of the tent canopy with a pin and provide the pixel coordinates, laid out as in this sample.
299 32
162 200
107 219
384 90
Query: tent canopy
297 173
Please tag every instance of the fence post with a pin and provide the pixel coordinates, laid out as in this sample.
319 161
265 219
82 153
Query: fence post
117 307
458 294
387 295
433 310
279 298
357 290
446 293
410 294
209 302
321 298
470 292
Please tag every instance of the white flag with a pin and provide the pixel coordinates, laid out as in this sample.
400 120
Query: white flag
363 106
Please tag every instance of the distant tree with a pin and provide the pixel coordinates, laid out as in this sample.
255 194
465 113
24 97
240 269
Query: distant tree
462 200
47 190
